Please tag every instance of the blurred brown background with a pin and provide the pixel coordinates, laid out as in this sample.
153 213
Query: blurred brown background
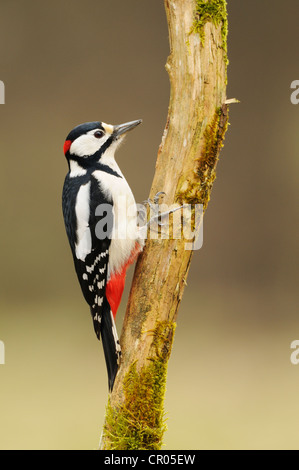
231 384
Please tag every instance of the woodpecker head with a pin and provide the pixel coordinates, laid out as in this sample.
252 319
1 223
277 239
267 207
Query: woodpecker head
88 143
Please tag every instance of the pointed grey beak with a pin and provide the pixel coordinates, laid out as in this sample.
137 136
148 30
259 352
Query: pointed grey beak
123 128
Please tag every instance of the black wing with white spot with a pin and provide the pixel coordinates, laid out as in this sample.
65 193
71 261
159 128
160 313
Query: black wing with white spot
91 257
92 276
81 197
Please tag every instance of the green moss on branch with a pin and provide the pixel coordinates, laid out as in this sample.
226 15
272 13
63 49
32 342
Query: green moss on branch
198 190
139 424
211 11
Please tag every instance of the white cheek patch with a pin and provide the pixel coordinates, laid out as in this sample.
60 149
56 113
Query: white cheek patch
108 157
87 144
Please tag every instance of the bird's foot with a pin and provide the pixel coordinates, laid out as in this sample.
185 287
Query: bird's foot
155 213
158 222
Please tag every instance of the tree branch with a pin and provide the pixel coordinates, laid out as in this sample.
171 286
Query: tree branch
185 170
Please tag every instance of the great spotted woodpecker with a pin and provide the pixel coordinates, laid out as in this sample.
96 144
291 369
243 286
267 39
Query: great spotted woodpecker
95 180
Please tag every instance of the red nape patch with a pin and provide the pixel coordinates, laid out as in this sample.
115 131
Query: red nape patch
114 290
66 146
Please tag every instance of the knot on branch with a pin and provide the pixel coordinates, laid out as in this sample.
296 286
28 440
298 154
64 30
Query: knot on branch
163 339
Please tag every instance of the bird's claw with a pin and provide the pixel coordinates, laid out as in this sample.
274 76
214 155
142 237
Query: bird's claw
157 197
154 204
156 216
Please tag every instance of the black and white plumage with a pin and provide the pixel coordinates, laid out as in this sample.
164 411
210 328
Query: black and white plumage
95 192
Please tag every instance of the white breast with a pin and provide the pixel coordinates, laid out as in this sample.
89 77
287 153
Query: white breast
124 233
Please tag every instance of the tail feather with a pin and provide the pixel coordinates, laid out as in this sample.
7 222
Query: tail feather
107 329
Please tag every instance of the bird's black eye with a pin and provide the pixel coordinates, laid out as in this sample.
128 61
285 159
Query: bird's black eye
98 134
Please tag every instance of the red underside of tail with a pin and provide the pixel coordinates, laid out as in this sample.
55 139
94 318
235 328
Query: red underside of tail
114 290
116 283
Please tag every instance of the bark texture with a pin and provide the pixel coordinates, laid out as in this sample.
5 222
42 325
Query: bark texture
185 171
